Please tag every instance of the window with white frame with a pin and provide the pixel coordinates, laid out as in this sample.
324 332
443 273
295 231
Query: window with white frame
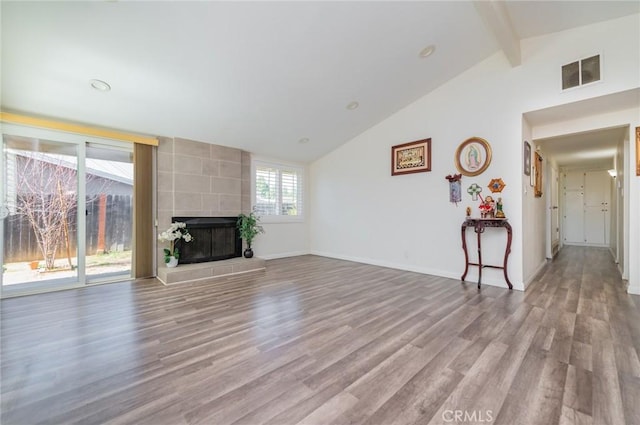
278 190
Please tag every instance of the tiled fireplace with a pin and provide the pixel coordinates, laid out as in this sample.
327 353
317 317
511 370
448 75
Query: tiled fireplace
200 180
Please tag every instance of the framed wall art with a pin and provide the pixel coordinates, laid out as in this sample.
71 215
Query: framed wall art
412 157
473 156
537 169
527 158
637 151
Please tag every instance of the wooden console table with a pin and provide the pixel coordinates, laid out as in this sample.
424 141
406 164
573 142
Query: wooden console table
479 224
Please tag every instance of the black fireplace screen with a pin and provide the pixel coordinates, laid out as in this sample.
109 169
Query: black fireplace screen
214 238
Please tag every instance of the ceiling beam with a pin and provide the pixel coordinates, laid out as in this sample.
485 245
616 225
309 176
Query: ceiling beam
496 18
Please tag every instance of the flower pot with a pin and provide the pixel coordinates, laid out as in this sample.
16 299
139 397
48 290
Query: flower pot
248 253
34 265
173 262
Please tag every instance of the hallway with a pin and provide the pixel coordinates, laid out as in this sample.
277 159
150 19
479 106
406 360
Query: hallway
594 329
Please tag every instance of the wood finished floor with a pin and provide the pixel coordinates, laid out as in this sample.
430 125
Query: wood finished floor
322 341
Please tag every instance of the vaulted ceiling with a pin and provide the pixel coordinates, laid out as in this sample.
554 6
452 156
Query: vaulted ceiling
273 78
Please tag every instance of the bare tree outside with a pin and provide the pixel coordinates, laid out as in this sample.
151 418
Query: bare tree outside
47 196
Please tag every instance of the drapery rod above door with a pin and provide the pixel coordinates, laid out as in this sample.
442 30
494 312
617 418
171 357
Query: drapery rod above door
49 124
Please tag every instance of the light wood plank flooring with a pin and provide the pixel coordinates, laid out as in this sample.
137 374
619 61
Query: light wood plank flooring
320 341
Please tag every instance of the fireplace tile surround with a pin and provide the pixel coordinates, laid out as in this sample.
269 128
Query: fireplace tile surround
187 273
199 179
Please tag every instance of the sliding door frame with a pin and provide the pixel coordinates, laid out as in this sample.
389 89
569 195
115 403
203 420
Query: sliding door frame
81 142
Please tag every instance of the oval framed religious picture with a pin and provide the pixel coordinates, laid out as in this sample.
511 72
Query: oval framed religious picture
473 156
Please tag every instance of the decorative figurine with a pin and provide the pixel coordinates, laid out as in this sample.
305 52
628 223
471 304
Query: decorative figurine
496 185
455 188
499 212
487 207
468 211
474 190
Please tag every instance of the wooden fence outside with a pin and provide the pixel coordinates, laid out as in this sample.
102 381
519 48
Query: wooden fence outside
20 241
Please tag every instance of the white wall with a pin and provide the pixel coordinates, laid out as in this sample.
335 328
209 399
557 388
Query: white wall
283 238
361 212
534 215
553 180
620 209
632 214
613 211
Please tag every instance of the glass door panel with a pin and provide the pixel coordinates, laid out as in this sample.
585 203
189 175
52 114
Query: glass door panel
109 206
40 201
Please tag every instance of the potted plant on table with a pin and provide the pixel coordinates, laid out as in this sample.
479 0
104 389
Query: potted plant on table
249 227
176 231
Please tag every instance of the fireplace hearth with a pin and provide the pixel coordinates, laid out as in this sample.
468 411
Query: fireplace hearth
214 238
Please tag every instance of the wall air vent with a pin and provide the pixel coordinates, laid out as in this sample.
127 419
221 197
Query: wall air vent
581 72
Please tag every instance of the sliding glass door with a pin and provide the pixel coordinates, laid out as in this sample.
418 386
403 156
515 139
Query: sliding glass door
40 229
109 211
66 211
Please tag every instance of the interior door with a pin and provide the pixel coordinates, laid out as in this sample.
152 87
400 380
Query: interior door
573 217
573 207
596 206
594 228
574 180
555 212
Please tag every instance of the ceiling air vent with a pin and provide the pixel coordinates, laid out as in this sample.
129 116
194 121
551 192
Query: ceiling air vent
581 72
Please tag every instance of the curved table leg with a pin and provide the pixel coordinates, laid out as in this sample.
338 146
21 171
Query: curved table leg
506 255
479 232
466 256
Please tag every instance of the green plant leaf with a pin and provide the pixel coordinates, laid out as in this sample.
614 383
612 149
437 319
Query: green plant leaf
248 227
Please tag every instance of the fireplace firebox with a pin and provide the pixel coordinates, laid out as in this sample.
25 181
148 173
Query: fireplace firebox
214 238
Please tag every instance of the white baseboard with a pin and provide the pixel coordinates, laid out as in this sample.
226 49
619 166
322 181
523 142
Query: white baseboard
613 255
593 245
471 278
535 274
284 255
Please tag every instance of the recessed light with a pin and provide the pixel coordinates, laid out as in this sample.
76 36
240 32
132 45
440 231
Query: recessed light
100 85
427 51
303 140
353 105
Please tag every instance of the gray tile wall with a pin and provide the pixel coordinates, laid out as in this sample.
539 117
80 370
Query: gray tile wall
200 180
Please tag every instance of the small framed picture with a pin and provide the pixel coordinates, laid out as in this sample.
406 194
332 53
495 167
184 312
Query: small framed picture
527 158
537 168
473 156
637 151
412 157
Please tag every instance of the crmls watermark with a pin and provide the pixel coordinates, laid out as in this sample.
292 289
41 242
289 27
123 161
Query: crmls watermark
462 416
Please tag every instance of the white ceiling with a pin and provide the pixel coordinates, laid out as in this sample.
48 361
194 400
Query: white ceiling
254 75
595 148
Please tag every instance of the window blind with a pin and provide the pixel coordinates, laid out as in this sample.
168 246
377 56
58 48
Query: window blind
278 190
